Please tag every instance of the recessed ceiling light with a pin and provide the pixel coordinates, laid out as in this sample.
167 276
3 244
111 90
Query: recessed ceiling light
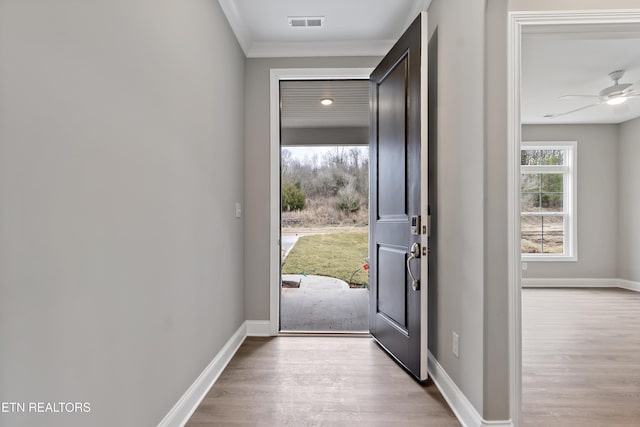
617 100
326 101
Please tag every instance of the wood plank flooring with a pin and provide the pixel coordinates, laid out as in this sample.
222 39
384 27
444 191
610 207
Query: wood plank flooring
581 357
581 367
319 381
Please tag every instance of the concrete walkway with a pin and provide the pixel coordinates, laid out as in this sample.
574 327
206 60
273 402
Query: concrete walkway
288 241
323 304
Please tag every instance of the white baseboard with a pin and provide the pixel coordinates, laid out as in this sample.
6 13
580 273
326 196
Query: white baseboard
190 400
458 402
506 423
580 283
258 328
569 283
628 284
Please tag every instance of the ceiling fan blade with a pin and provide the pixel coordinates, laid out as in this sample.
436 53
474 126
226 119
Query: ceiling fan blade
577 96
551 116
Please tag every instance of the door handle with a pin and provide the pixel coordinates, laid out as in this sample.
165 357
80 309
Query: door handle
415 254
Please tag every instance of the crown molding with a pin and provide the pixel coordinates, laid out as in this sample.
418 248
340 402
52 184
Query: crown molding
324 48
257 49
237 24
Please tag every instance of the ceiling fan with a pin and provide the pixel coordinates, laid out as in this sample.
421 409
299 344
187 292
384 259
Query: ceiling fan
616 94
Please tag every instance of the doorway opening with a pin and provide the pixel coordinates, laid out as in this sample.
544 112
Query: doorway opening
275 255
601 134
324 192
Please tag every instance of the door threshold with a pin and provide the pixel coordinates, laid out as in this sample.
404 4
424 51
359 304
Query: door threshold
350 334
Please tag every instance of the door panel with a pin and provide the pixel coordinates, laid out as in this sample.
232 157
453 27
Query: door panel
391 274
392 128
395 307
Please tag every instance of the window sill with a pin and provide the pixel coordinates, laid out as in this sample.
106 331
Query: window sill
548 258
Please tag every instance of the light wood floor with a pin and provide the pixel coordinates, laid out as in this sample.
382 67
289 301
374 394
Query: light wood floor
318 381
581 357
581 367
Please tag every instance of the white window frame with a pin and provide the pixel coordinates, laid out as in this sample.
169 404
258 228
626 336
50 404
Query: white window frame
570 190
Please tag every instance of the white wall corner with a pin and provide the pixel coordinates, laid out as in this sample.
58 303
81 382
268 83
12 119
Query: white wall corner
258 328
190 400
467 415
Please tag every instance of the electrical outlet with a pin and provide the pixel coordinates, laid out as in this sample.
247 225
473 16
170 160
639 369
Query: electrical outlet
524 266
455 344
238 210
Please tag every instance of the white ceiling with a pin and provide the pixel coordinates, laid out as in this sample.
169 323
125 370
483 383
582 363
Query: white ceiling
300 103
351 27
305 121
558 61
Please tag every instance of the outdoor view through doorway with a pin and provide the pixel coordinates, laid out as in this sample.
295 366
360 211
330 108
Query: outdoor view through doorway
324 206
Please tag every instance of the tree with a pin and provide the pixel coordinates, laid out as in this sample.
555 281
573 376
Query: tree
355 154
336 157
285 161
541 157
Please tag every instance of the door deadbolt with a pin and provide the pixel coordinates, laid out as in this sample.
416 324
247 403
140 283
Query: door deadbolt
415 224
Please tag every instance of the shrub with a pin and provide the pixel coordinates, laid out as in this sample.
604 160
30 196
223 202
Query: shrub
348 200
293 198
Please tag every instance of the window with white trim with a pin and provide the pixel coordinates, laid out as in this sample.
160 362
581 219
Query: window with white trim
548 201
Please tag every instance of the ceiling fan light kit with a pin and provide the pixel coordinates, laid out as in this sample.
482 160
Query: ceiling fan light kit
617 100
616 94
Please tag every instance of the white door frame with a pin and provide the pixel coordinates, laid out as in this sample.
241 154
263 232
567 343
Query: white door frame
278 74
517 21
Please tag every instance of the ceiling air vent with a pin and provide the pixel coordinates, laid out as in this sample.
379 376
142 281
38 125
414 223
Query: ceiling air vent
306 21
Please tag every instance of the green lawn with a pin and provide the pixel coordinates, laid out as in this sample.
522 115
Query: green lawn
332 255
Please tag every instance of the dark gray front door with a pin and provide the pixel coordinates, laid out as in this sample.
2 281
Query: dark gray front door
396 137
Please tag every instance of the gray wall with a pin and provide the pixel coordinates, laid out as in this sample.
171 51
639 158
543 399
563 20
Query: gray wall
258 169
629 201
459 295
121 158
597 197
